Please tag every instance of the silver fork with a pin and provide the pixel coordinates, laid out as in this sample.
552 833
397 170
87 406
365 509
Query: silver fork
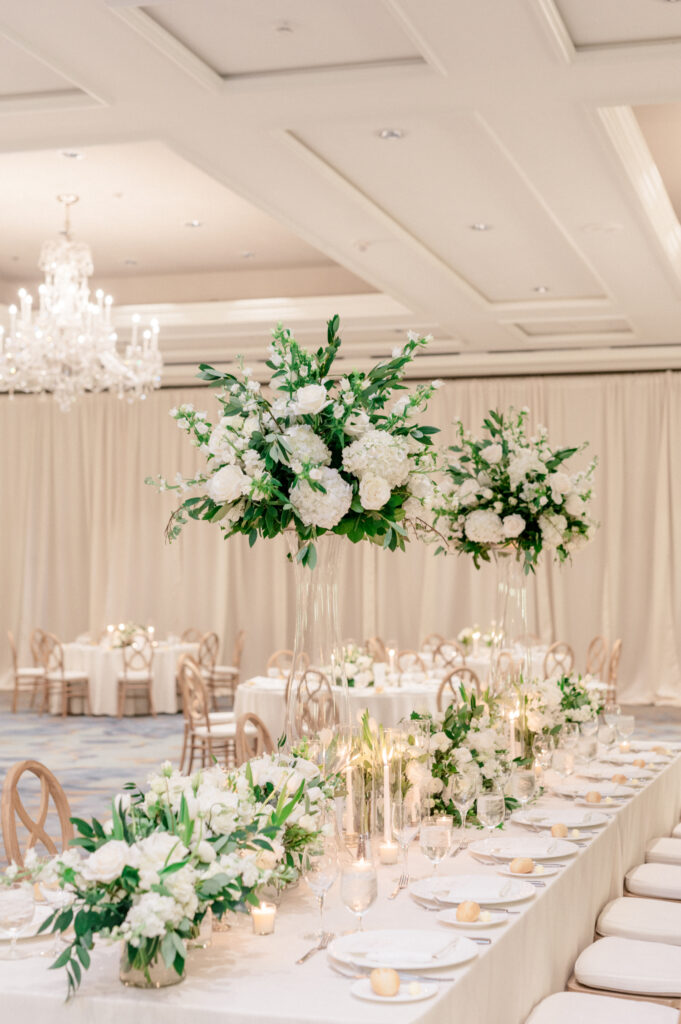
322 944
402 883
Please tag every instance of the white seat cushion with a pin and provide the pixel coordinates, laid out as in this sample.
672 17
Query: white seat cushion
224 730
220 717
31 673
225 670
71 676
630 965
135 676
676 831
580 1008
661 881
651 920
664 851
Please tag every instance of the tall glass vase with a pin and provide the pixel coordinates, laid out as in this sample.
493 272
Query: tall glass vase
317 701
510 649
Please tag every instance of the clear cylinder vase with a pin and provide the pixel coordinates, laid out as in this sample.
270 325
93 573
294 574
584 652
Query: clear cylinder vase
317 701
510 650
153 975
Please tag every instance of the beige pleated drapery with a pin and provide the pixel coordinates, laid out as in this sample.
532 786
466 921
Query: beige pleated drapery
82 545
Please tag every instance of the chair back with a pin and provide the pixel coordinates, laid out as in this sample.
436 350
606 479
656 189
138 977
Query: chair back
613 668
12 808
410 661
195 697
209 645
377 649
432 642
459 679
138 655
238 648
506 668
559 658
597 656
252 742
191 636
13 651
52 654
449 652
314 707
282 660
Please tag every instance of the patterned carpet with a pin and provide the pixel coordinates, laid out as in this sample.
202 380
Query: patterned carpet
94 757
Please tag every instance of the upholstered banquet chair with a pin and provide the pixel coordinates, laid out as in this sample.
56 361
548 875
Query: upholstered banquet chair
410 661
136 678
448 654
596 657
652 920
452 685
314 707
613 668
191 636
67 682
12 807
252 738
559 658
583 1008
29 677
206 733
630 967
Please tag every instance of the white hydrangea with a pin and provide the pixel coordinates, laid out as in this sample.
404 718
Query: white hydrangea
483 526
552 528
381 454
513 525
521 465
306 446
316 508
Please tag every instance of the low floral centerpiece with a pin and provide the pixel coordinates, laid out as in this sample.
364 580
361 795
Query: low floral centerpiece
359 666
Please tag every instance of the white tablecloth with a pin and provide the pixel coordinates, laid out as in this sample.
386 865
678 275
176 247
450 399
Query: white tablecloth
244 979
103 665
265 698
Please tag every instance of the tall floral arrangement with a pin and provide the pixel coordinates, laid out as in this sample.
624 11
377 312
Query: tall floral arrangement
317 451
510 490
186 845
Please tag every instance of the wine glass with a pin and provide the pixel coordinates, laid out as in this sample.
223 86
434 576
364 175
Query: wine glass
589 728
491 810
464 789
359 887
17 904
436 837
563 762
607 736
569 735
625 726
611 713
523 785
542 748
321 871
406 825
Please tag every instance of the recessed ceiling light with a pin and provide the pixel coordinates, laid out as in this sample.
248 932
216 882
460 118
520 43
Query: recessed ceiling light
247 255
541 289
390 134
72 154
193 224
480 226
15 259
130 262
283 26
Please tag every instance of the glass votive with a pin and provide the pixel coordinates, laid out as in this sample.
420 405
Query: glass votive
263 918
388 853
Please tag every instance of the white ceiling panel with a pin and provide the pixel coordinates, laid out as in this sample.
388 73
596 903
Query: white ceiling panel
546 328
661 127
21 74
443 177
611 22
243 37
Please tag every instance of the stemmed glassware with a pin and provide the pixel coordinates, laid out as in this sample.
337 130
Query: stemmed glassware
321 871
611 713
17 905
464 789
607 736
491 810
589 728
359 885
406 825
523 785
569 735
625 726
436 837
542 748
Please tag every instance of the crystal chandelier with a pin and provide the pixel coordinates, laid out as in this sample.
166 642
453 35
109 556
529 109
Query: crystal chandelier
68 346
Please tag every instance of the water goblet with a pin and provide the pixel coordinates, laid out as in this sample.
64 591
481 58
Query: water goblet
542 748
607 736
17 904
523 785
464 789
436 837
625 726
491 810
406 825
563 762
321 871
569 735
611 713
589 728
359 887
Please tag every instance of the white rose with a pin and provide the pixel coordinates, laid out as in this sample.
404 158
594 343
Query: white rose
107 863
374 491
228 484
574 505
357 424
513 525
560 483
492 454
484 527
310 399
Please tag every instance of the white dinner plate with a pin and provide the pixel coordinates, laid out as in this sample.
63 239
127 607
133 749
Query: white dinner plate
651 757
573 817
424 990
496 918
536 847
672 746
605 772
540 870
484 889
404 949
579 788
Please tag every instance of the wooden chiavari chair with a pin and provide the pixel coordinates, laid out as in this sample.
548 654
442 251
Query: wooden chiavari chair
506 668
68 682
432 642
451 686
191 636
596 657
449 653
12 807
221 679
282 660
252 738
613 669
204 733
136 676
377 649
314 708
29 677
559 658
410 661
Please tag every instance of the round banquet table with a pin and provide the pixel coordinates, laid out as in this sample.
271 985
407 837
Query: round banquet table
103 665
480 662
389 705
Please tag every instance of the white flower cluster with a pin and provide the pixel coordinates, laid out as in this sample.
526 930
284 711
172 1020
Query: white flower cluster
323 509
380 461
543 704
359 666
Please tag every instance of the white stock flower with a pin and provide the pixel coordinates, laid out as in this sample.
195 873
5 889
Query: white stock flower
305 445
374 491
484 527
310 399
228 484
574 505
107 863
523 463
492 454
314 507
560 484
513 525
552 529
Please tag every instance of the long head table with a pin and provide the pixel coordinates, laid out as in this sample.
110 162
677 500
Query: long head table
244 978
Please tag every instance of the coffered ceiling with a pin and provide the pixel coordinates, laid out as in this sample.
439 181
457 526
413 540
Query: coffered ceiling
505 174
